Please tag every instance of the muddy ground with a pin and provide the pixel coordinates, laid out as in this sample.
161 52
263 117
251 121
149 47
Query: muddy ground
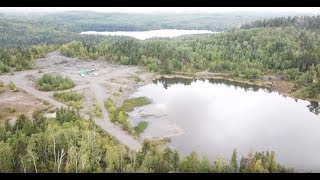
12 104
111 76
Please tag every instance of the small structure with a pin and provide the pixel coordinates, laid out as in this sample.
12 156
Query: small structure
86 71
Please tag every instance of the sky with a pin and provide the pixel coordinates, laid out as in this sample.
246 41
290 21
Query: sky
163 9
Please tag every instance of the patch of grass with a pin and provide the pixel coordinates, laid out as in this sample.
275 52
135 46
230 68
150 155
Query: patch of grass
129 104
120 89
160 141
51 110
71 98
118 116
141 127
49 82
12 87
12 109
45 102
116 94
40 71
3 68
2 89
136 78
96 109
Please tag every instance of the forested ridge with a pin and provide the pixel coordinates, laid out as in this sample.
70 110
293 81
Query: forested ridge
307 22
289 52
68 143
58 28
285 50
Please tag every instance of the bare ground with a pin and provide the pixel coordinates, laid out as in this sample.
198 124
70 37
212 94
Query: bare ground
102 84
21 102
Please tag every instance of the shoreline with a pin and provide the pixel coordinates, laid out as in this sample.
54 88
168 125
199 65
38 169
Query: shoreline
285 88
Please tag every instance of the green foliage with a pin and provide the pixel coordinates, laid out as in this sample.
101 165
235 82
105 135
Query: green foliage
136 78
3 68
234 162
12 87
142 125
71 98
243 53
22 58
6 154
129 104
12 109
1 84
312 91
251 73
66 115
190 164
49 82
46 103
308 22
96 109
38 145
118 115
291 74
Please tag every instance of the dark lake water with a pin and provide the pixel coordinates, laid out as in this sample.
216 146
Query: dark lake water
213 117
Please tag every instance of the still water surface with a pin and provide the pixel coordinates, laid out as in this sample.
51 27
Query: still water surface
213 117
142 35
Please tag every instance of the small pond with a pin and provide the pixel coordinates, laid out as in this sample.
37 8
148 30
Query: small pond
213 117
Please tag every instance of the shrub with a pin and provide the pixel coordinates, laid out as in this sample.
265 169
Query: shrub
141 127
251 73
129 104
66 115
3 68
46 103
12 109
12 87
49 82
96 109
117 115
71 98
1 83
136 78
291 74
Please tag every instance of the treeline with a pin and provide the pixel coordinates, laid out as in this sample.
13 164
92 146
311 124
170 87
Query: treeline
307 22
22 58
60 28
289 52
259 48
23 32
77 21
68 143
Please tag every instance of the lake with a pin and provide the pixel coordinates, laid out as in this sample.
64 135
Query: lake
142 35
213 117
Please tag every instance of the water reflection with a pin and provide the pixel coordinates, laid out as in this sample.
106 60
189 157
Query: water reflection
167 82
216 116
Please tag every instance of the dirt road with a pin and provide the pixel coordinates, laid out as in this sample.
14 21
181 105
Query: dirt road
95 84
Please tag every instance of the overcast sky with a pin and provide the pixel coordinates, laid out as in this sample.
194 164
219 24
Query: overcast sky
163 9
